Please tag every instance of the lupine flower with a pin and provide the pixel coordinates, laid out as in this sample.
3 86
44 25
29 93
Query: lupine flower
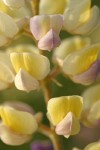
83 66
69 46
91 109
80 18
17 123
52 7
64 113
30 67
46 29
8 28
7 73
39 145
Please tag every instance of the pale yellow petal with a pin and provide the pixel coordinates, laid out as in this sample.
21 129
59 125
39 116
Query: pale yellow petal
94 113
91 24
77 13
6 70
58 107
8 26
23 48
35 64
25 82
56 22
14 4
93 146
18 121
70 45
91 96
11 138
52 6
80 61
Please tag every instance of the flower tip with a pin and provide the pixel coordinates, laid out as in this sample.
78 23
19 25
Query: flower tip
49 41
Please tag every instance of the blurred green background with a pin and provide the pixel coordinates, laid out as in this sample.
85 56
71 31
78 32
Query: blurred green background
36 100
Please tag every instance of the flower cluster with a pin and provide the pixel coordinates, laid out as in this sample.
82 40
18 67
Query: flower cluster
41 40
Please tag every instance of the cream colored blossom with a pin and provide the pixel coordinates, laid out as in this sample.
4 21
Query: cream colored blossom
68 46
17 124
46 30
30 67
80 18
83 66
64 113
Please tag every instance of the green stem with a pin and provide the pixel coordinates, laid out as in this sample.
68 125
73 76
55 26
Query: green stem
49 132
46 91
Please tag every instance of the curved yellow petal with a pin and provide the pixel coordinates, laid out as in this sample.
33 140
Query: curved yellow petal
58 107
14 4
6 71
80 61
91 96
23 48
18 121
8 27
93 146
69 46
77 13
35 64
11 138
94 113
52 7
91 24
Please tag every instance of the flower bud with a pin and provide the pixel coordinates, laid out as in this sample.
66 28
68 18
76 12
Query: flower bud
30 67
80 18
78 69
46 29
16 125
64 112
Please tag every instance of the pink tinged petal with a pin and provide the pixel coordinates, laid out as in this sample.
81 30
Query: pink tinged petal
68 126
25 82
49 41
11 138
39 26
88 76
